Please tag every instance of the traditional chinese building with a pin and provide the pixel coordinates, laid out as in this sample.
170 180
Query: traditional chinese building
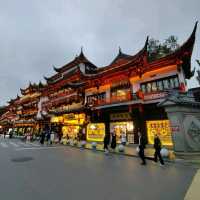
65 96
22 111
120 97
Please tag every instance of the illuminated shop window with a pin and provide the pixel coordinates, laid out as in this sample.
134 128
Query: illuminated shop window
154 87
148 87
121 93
119 128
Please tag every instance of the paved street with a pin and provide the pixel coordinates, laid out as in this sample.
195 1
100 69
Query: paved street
29 171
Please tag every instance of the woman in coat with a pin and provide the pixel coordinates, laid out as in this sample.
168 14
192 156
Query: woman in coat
157 147
113 142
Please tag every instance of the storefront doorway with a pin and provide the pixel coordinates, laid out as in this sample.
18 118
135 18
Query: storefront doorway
121 123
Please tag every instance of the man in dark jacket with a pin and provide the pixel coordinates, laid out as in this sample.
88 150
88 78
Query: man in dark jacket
106 142
141 148
157 146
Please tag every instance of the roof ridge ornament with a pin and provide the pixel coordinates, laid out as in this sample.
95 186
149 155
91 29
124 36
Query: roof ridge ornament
81 54
195 28
120 50
146 43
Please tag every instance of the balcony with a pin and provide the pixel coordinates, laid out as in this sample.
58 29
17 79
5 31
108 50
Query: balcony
63 99
113 99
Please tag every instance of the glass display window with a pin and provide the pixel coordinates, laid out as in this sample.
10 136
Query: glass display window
122 127
167 83
176 82
148 87
154 87
160 85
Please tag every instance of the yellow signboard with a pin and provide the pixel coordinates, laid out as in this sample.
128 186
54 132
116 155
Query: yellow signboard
74 118
162 129
71 131
57 119
96 132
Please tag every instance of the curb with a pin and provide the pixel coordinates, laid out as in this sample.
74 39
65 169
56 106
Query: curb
193 191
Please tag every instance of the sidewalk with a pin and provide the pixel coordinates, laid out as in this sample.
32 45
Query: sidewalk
129 150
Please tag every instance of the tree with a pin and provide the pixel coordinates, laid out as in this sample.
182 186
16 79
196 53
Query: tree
153 49
158 50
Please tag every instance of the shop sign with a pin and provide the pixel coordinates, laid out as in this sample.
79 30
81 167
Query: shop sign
96 132
162 129
75 106
120 116
175 128
69 116
57 119
74 118
72 131
155 96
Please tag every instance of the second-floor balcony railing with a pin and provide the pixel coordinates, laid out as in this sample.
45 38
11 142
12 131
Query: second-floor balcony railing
112 99
129 97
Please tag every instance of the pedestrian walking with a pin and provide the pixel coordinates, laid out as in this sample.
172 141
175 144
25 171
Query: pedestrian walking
48 136
60 135
123 138
52 137
106 143
157 147
42 137
113 141
4 134
141 148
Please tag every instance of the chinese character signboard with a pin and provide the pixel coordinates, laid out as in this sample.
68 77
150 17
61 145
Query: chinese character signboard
162 129
96 132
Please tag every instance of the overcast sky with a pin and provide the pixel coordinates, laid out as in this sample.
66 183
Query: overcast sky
35 34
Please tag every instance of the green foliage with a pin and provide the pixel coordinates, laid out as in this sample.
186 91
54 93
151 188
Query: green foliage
158 50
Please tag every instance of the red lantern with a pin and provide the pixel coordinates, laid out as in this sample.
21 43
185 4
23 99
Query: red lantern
182 87
140 94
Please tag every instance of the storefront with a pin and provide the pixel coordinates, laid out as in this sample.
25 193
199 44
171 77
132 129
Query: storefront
122 123
71 124
95 132
162 129
23 129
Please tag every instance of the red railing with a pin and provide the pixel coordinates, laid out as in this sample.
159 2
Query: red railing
113 99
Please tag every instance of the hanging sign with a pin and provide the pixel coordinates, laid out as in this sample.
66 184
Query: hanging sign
120 116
